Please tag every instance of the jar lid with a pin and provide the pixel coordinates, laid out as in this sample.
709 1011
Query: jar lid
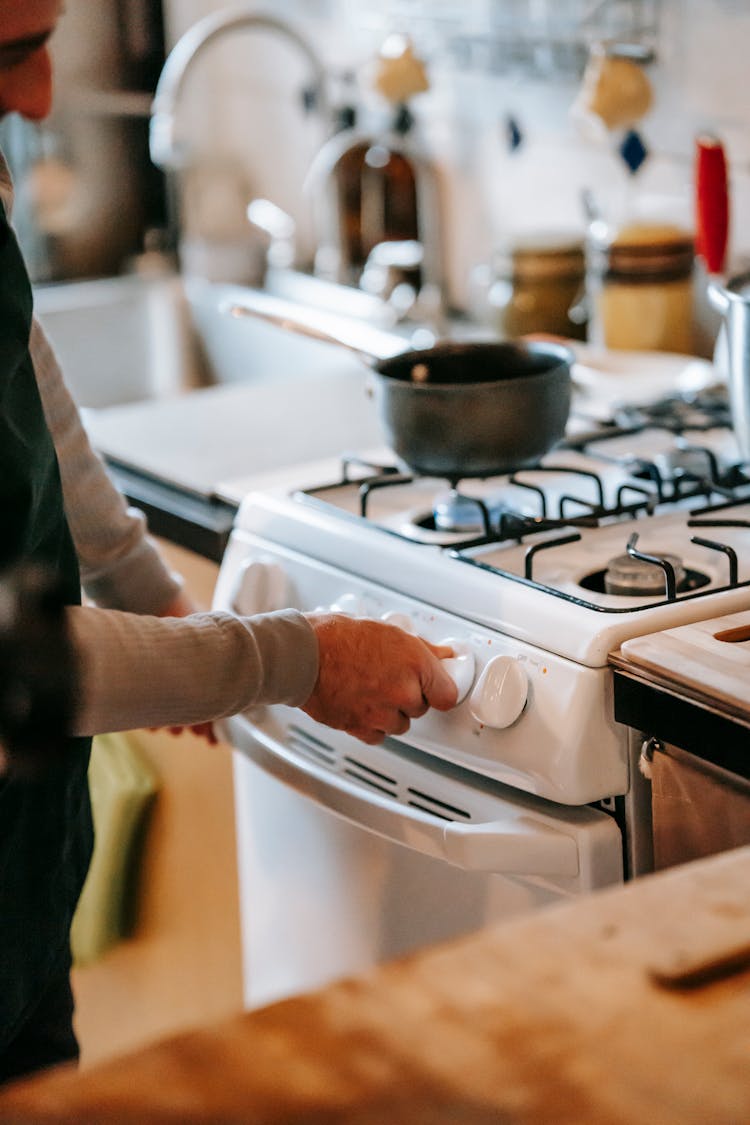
647 249
649 234
540 256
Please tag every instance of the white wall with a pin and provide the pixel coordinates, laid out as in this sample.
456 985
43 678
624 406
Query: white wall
241 102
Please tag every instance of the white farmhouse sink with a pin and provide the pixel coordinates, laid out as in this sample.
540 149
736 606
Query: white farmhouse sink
121 339
241 350
129 339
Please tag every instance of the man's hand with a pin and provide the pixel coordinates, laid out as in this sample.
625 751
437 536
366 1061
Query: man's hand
181 605
374 678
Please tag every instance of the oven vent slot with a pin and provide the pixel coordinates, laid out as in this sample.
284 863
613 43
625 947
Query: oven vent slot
369 781
352 767
420 800
310 747
398 788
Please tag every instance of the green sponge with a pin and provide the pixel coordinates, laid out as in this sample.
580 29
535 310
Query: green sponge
122 783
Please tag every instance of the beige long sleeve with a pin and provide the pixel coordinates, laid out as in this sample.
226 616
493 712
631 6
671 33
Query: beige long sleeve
138 671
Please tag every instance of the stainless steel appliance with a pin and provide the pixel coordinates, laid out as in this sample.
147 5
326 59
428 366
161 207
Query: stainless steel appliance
528 791
733 350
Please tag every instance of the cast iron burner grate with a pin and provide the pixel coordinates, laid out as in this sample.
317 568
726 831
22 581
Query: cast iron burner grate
706 409
633 500
692 585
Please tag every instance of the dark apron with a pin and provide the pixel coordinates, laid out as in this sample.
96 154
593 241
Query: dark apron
46 832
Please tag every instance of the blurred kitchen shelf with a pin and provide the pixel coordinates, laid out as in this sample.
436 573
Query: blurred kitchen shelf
534 37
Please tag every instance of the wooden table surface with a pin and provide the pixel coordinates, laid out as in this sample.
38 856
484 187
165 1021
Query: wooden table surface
553 1018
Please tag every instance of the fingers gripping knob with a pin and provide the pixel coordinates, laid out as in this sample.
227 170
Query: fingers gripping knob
500 693
261 587
351 605
401 619
460 667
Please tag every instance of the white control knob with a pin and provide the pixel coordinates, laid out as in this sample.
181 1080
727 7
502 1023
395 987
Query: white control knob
460 667
350 604
260 587
401 619
500 693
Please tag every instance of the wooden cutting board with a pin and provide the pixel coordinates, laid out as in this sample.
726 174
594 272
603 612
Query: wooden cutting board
709 657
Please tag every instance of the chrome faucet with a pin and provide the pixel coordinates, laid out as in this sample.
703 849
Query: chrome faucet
165 150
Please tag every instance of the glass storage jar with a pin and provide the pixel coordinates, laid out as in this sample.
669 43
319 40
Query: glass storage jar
640 288
537 285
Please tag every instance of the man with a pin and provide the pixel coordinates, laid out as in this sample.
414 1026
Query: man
144 658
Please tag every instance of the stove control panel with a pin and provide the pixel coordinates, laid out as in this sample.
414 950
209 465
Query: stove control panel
461 667
525 717
401 619
260 586
500 694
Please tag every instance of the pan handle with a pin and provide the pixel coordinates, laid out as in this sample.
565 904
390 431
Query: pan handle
371 345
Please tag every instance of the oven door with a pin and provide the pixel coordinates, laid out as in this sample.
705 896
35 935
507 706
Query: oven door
351 855
410 798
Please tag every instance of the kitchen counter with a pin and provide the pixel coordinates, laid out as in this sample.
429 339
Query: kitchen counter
571 1015
172 457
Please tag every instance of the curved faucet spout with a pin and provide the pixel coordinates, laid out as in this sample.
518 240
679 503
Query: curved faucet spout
165 150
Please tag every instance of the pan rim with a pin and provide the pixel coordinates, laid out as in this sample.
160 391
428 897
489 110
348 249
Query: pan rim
562 356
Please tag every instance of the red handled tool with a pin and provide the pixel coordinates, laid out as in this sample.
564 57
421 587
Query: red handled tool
711 203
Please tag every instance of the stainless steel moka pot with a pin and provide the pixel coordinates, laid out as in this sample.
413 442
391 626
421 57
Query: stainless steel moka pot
732 355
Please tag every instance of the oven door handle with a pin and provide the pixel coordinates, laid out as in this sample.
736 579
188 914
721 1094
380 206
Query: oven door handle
522 843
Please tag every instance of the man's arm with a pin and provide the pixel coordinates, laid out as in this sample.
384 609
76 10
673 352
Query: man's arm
365 677
136 670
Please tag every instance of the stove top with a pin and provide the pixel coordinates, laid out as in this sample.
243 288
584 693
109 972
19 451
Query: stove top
568 524
618 523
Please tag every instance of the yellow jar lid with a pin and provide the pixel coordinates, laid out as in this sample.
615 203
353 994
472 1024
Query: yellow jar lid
647 235
540 255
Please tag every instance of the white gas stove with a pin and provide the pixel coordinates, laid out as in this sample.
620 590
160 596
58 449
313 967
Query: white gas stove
534 579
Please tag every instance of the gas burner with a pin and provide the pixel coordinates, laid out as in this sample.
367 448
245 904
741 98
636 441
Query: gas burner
561 526
455 511
685 461
696 462
451 511
599 582
636 574
630 575
702 410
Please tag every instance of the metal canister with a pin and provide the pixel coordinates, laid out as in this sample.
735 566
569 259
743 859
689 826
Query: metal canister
732 357
640 287
537 285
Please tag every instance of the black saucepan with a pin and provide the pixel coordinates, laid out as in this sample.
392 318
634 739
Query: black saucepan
455 409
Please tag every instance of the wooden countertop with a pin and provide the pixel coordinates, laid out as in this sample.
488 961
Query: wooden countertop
554 1018
710 659
698 720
